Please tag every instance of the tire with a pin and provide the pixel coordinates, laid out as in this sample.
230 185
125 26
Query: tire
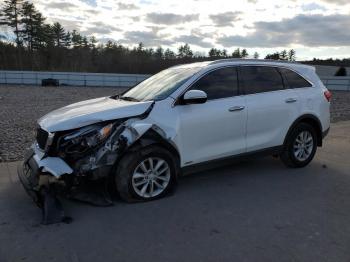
129 183
292 155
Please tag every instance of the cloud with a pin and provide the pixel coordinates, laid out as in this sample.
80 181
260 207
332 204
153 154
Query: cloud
193 40
100 28
312 7
64 6
311 31
339 2
69 25
196 37
90 2
123 6
225 19
170 19
148 38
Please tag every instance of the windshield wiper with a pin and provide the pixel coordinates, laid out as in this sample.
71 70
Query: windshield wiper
129 98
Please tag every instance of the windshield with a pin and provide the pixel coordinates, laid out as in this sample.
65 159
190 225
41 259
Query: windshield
161 85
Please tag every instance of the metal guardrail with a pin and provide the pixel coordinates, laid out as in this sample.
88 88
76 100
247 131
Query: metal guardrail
72 79
339 83
116 80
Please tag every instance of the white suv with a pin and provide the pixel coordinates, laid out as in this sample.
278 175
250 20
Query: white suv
182 118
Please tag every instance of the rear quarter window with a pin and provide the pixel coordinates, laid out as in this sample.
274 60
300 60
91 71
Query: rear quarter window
293 80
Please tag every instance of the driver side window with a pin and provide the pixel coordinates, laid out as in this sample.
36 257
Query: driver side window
220 83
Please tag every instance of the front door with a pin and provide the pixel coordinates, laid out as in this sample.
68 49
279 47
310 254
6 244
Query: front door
216 128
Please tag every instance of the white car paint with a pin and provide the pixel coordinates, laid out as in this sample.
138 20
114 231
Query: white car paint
203 132
53 165
269 118
90 112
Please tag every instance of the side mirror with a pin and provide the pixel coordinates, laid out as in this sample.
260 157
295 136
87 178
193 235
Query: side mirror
194 97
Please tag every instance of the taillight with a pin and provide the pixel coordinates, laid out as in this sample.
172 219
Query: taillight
328 95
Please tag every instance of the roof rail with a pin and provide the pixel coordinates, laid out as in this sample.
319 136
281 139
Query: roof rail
251 60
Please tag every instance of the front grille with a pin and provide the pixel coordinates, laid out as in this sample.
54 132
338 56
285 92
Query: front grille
41 138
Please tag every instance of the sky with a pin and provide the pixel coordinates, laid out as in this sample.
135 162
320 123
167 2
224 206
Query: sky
314 28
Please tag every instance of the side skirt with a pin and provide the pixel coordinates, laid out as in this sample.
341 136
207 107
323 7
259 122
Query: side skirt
229 160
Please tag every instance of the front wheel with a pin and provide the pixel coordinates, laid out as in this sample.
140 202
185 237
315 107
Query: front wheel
300 147
146 174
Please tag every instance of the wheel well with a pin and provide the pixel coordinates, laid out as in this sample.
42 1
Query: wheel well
311 120
151 137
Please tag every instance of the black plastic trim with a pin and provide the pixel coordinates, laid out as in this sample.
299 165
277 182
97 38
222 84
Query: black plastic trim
229 160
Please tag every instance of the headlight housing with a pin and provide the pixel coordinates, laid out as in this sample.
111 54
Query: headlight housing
84 139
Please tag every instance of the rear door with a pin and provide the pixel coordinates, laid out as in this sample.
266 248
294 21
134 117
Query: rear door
216 128
271 107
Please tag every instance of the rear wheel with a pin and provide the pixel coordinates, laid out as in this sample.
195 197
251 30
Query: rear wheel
146 174
300 147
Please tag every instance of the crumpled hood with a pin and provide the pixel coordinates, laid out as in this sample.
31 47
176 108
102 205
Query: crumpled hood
90 112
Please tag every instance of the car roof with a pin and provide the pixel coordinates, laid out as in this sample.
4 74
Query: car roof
233 61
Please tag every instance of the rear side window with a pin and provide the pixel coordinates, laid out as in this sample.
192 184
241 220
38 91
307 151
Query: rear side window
258 79
294 80
220 83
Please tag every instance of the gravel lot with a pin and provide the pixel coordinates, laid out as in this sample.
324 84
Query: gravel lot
21 106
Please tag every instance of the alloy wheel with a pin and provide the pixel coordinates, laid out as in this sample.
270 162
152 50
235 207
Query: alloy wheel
151 177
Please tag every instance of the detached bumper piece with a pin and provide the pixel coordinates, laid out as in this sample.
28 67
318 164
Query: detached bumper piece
44 179
39 188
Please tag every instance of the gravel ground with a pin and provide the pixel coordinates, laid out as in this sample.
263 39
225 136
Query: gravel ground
21 106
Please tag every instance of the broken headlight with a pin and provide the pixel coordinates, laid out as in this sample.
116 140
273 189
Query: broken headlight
85 139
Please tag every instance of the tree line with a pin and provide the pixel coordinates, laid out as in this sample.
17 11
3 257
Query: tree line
38 45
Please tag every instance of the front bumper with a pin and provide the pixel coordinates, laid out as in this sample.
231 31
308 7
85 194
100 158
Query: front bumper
35 165
43 179
28 173
37 184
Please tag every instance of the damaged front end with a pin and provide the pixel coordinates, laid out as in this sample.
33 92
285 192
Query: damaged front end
77 164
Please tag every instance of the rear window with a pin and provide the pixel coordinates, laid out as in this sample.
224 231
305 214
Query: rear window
294 80
258 79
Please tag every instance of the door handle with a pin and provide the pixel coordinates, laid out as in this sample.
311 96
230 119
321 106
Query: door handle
291 100
236 108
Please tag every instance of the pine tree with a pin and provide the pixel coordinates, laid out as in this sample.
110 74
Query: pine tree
85 42
140 47
291 55
77 39
256 55
284 55
159 54
216 52
244 53
10 16
274 56
236 53
169 55
92 42
32 22
185 51
67 40
45 38
58 34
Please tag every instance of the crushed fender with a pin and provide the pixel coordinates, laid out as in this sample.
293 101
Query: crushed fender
71 170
